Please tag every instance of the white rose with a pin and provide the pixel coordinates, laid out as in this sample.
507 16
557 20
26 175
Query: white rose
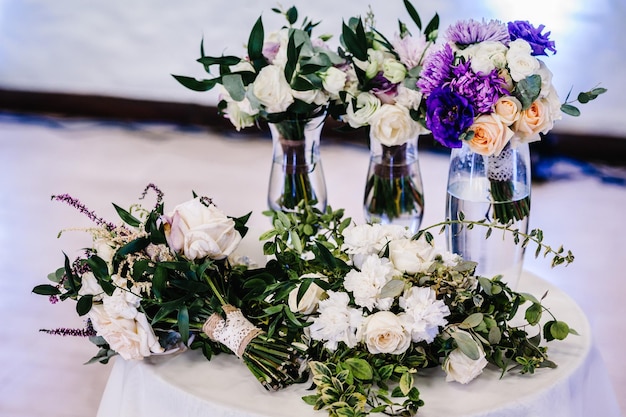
131 338
520 61
383 333
200 231
310 299
275 47
460 368
411 99
546 79
333 80
411 256
104 250
272 89
310 96
239 118
392 125
394 70
486 56
366 105
122 304
90 286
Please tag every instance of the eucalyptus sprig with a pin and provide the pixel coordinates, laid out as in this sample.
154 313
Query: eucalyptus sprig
583 97
559 256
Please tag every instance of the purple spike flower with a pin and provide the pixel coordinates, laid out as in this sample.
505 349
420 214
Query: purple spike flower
539 42
437 70
467 32
66 198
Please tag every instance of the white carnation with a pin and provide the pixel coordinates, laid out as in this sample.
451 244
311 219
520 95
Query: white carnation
424 313
367 283
337 321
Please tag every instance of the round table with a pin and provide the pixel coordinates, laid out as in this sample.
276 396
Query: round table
189 385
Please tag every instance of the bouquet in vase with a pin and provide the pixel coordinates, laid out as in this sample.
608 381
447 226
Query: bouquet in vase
376 305
158 283
288 79
486 88
383 97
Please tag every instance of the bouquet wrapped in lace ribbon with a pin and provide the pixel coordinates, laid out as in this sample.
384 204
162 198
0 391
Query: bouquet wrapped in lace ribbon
159 282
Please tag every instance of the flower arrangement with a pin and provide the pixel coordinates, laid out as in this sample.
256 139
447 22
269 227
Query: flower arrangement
289 79
376 305
485 87
160 282
383 97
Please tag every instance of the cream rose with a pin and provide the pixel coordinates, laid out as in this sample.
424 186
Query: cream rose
534 120
393 70
490 135
508 109
104 250
272 89
200 231
130 338
333 80
383 333
411 256
310 299
90 286
366 105
486 56
460 368
310 96
392 125
520 61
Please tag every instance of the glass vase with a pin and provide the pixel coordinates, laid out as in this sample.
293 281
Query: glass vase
394 193
494 189
296 175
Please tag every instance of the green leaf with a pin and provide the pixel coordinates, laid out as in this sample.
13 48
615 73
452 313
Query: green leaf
183 323
570 110
133 246
413 13
159 279
196 85
46 289
99 267
392 288
255 45
467 344
292 15
355 41
360 368
233 83
495 335
528 90
310 399
84 304
406 383
559 330
219 60
432 28
57 275
472 321
126 216
533 313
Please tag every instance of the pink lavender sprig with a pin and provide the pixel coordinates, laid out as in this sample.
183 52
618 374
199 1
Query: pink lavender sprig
74 202
88 331
156 189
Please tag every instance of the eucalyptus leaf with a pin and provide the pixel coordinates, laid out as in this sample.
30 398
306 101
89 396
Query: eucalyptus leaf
528 90
472 320
467 344
233 83
393 288
533 313
570 110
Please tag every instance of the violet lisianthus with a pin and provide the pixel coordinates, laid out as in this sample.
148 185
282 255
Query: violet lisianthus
448 116
539 42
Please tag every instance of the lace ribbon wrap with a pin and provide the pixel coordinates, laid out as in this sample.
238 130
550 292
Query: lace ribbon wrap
235 332
500 167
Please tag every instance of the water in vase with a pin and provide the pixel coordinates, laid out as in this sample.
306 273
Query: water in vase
496 255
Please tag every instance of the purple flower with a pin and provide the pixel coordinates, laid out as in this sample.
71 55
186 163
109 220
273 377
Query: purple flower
382 88
437 70
539 42
482 90
448 115
468 32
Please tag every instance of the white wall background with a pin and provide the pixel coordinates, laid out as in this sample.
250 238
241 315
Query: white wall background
129 48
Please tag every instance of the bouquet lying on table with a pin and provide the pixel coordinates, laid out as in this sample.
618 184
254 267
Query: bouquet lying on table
360 307
159 283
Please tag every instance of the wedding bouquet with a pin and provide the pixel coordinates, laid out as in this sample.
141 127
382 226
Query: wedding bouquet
382 96
375 305
485 87
161 282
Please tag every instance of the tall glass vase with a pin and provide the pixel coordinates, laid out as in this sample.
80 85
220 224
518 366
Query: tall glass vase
296 175
394 193
495 189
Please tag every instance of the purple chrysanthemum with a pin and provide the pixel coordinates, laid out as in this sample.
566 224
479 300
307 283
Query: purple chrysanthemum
482 90
468 32
520 29
448 115
437 70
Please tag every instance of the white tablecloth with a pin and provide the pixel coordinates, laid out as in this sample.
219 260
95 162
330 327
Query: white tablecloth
189 385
